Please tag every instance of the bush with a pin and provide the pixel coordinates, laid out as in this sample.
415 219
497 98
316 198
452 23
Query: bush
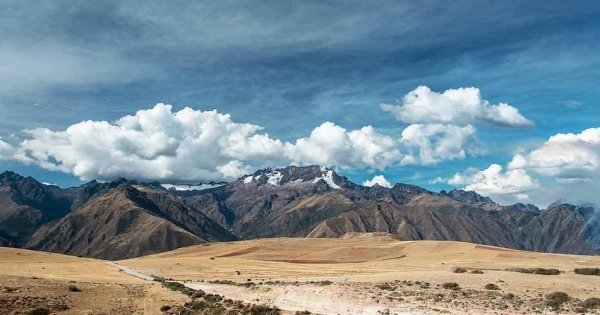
477 271
509 296
459 270
165 308
451 286
556 299
74 288
491 286
537 271
39 311
587 271
386 286
591 303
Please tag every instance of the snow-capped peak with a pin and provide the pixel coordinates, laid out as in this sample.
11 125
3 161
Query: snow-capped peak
293 175
327 176
273 177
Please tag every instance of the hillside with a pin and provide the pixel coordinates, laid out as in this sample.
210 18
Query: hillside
127 222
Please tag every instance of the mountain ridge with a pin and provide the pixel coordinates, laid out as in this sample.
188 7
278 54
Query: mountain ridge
103 220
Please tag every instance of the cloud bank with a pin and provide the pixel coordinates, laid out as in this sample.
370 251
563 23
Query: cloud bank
192 145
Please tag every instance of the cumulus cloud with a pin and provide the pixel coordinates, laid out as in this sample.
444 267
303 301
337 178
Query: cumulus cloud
460 106
564 166
330 144
191 145
493 181
153 144
6 150
432 143
568 157
377 180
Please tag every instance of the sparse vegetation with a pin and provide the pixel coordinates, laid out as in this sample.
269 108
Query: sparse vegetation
491 286
509 296
477 271
587 271
386 286
591 303
459 270
537 271
556 299
74 288
209 304
450 286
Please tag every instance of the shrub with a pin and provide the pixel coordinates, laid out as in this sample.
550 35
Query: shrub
509 296
450 286
591 303
556 299
386 286
587 271
537 271
491 286
74 288
477 271
39 311
459 270
263 310
165 308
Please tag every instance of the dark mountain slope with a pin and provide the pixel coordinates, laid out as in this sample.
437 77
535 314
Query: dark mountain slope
563 229
425 217
127 222
26 204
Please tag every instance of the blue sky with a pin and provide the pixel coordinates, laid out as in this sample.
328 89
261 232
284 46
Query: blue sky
290 66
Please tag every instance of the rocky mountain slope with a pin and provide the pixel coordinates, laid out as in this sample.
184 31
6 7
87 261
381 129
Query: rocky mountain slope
123 219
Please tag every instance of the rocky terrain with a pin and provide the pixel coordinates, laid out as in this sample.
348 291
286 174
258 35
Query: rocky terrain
122 219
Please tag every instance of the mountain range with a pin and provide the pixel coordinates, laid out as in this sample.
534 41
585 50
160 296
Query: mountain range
124 219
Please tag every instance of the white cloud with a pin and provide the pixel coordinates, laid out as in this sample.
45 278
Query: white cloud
495 182
330 144
377 180
565 166
460 106
568 157
433 143
191 145
6 150
153 144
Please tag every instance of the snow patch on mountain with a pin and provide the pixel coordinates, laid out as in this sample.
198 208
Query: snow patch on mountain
274 178
327 176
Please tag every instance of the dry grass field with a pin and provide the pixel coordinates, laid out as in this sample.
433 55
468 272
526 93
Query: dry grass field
359 274
72 285
376 274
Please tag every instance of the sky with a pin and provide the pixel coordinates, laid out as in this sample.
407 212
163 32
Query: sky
496 97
